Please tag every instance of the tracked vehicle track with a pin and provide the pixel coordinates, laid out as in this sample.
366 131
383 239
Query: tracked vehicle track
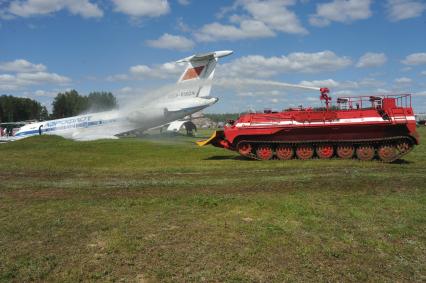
386 149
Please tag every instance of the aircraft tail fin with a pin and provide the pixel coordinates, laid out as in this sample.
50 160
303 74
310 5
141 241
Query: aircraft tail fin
201 67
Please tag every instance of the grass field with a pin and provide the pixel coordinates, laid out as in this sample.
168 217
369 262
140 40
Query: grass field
147 210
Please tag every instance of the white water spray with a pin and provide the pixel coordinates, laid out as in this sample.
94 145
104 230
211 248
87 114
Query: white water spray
236 83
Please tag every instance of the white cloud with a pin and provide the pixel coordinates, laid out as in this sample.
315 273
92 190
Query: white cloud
8 82
140 69
247 29
21 65
371 83
344 93
25 73
348 85
423 73
30 8
259 19
343 11
345 85
22 80
183 2
118 77
275 15
383 91
142 8
312 99
258 93
169 41
127 91
44 93
403 80
398 10
370 59
162 71
415 59
299 62
420 93
318 21
183 27
42 77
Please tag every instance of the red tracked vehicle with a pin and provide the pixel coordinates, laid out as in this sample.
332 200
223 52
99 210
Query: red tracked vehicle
364 126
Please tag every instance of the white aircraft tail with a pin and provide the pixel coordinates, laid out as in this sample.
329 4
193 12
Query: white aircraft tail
200 67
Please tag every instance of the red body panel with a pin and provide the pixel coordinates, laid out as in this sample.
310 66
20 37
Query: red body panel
372 118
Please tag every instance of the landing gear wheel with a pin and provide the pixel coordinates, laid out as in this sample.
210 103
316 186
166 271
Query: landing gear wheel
244 148
325 151
284 152
403 147
387 153
365 152
304 152
345 151
264 152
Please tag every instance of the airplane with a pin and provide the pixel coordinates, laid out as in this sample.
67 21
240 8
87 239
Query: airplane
191 95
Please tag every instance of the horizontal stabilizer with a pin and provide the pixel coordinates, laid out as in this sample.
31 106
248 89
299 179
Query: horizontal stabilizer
206 56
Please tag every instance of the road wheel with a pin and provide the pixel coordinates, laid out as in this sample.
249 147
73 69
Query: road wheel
244 148
387 153
305 152
365 152
264 152
403 147
325 151
284 152
345 151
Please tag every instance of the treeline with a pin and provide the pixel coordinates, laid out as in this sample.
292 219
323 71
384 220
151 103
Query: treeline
67 104
222 117
71 103
14 109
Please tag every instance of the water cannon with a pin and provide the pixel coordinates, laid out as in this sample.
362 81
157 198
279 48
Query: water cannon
325 96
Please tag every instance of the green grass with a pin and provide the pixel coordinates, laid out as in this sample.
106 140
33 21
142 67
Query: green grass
143 210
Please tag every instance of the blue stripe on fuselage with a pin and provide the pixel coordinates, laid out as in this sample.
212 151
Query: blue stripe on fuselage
66 127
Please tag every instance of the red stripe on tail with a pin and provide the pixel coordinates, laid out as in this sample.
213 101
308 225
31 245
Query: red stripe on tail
192 73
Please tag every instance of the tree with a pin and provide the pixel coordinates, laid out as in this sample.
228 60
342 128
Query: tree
101 101
14 109
69 104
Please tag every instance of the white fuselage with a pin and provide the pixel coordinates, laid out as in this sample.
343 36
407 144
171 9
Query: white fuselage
110 123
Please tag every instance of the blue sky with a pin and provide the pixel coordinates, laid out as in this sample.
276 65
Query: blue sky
128 47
